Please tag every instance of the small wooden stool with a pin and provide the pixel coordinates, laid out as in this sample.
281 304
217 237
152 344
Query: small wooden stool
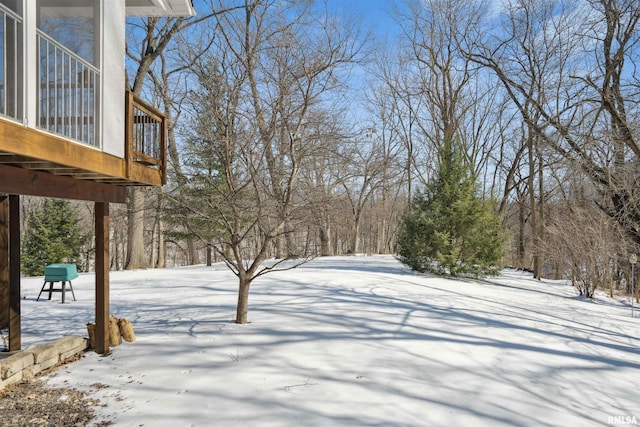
59 273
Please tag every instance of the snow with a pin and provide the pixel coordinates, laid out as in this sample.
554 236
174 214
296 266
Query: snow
349 341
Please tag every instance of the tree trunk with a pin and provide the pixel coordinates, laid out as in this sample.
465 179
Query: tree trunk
135 231
521 233
209 256
243 300
154 243
558 272
382 236
292 247
307 242
281 247
325 240
533 208
541 202
355 237
194 257
162 253
113 265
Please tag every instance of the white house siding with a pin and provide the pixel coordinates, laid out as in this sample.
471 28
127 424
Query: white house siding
31 68
113 77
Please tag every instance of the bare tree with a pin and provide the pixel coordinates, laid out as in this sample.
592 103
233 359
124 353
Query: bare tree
365 167
147 40
586 243
589 52
444 74
319 184
396 97
390 143
266 72
437 95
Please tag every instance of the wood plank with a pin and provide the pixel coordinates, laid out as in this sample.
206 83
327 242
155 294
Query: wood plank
102 277
15 333
14 180
145 107
145 159
163 150
128 133
140 173
97 177
24 141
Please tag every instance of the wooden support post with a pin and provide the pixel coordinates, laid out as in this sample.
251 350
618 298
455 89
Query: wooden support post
102 277
4 261
15 334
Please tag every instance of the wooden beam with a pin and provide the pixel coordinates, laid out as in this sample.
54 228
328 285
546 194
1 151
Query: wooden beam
15 180
4 261
128 133
24 141
102 277
15 334
146 174
164 129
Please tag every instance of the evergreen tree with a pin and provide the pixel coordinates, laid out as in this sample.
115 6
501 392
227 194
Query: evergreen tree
53 235
195 204
448 228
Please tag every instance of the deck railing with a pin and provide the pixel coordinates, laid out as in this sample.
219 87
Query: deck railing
68 92
11 87
146 134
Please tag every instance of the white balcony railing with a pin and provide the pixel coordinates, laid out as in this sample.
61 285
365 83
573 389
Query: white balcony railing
11 87
67 93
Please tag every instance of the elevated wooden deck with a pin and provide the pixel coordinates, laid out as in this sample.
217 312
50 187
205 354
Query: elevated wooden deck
42 152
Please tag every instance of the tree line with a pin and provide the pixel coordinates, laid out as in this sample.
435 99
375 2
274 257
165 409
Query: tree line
296 133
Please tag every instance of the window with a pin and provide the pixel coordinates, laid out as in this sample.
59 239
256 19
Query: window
68 68
73 24
13 5
11 65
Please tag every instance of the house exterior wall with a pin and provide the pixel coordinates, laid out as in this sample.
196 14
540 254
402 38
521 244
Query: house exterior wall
31 69
69 112
113 78
111 97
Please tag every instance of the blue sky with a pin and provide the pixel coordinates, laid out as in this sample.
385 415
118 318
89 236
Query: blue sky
375 14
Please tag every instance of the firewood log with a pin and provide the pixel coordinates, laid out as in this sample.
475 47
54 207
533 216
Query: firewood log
91 330
114 332
126 330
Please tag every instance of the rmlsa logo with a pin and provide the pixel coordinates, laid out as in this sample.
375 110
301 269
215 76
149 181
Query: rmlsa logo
621 420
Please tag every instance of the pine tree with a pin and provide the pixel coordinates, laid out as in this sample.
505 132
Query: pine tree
53 235
195 204
448 228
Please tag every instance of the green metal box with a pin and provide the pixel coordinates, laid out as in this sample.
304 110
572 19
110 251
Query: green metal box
60 272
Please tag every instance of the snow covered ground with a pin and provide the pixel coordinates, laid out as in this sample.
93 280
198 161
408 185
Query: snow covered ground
350 341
